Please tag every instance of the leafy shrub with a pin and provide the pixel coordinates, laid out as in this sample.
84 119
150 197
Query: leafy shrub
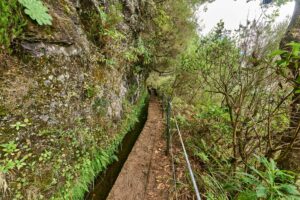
288 58
112 17
101 25
216 117
262 182
109 21
266 183
214 112
140 52
37 11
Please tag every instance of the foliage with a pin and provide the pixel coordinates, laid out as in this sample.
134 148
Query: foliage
170 30
103 30
90 91
280 2
227 98
113 15
236 84
78 154
66 158
19 125
217 118
139 52
161 83
37 11
236 108
288 60
265 181
269 182
11 26
91 165
109 21
9 148
11 158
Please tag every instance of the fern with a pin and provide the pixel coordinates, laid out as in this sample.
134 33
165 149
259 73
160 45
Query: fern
268 182
37 11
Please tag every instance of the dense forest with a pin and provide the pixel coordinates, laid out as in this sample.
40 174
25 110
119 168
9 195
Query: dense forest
77 75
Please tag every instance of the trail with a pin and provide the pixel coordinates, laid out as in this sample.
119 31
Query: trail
147 171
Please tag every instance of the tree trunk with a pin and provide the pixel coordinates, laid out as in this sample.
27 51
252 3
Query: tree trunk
290 157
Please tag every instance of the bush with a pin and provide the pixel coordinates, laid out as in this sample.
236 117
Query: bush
263 182
266 182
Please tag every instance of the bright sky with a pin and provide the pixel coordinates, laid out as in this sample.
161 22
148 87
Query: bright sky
233 13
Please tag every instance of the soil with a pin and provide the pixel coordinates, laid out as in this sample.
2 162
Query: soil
147 172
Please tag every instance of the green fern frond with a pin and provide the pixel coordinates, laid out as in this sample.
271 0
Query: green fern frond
37 11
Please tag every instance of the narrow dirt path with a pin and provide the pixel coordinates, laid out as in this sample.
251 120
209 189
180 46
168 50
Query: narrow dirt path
147 172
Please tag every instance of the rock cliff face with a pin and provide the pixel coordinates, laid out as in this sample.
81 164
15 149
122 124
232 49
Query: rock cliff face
59 77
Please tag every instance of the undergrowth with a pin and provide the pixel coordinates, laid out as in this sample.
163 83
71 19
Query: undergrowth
99 160
262 181
259 179
64 162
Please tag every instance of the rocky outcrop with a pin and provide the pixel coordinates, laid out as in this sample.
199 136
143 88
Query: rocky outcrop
57 75
62 83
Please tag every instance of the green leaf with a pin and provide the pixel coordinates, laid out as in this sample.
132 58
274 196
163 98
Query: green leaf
247 195
37 11
282 63
261 191
114 157
256 171
278 52
290 189
298 80
248 178
294 44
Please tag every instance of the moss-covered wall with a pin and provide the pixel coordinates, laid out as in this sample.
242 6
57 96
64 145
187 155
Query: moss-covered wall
65 93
